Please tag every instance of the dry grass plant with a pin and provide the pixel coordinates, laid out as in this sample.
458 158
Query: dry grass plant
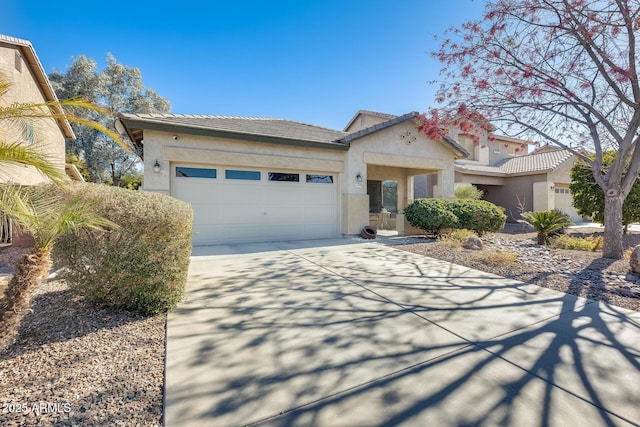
495 257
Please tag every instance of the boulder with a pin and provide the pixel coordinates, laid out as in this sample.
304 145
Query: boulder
634 260
472 242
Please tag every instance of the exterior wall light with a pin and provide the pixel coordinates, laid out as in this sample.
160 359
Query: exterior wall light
156 167
358 177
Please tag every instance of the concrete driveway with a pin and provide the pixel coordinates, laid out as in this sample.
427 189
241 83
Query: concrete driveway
347 333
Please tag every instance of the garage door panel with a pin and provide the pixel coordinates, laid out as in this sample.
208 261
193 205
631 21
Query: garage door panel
236 211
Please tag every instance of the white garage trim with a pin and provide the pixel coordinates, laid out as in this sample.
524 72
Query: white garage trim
236 204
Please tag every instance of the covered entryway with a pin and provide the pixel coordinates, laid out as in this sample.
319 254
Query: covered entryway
236 205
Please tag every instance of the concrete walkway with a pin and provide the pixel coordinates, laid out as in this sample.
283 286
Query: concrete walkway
347 333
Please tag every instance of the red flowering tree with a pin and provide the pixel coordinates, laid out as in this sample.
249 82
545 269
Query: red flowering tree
562 70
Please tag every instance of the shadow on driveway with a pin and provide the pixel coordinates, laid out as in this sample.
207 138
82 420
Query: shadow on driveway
346 333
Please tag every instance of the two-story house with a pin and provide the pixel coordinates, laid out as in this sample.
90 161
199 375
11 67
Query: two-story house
28 83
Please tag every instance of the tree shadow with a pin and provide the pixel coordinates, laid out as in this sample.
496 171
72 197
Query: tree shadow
364 336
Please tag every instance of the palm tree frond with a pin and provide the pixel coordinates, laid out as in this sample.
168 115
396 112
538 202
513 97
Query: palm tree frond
32 155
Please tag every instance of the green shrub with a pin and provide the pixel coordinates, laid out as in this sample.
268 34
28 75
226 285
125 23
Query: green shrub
141 266
479 216
564 241
433 215
467 191
430 215
547 223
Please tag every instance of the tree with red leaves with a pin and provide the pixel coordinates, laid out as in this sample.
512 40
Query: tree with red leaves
562 70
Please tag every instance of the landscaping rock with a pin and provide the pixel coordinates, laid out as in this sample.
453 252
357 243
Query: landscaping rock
472 242
634 261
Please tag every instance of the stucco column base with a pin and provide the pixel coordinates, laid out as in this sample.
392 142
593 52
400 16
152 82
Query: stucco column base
355 213
406 229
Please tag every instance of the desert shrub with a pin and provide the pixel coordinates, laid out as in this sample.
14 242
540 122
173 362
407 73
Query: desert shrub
139 267
547 223
430 215
479 216
564 241
495 257
467 191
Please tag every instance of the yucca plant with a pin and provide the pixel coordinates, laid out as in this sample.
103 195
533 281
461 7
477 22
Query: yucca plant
547 223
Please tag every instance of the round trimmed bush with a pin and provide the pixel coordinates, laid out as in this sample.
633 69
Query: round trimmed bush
430 215
140 266
477 215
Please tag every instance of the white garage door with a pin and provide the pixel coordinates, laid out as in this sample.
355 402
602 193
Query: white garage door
564 202
235 205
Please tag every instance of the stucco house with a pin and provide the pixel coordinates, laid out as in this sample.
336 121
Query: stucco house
21 68
263 179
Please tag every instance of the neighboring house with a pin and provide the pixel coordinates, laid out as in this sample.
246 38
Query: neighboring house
20 66
258 179
512 177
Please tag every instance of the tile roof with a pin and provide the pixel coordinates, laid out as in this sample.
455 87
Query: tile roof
246 126
538 162
520 165
470 166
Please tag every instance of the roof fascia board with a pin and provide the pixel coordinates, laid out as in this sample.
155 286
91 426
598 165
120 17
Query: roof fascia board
129 123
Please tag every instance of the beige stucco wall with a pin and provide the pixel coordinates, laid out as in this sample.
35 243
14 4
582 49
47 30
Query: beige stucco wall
195 149
48 135
364 121
517 190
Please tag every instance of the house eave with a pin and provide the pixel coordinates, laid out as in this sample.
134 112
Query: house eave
134 129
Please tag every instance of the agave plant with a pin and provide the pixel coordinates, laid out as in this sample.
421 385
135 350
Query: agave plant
547 223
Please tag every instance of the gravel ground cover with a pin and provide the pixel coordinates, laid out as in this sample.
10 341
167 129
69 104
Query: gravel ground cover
580 273
75 364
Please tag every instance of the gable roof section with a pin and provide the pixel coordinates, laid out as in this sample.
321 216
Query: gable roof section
521 165
271 130
396 120
34 64
384 116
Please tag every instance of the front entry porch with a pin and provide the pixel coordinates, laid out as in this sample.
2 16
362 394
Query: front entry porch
390 190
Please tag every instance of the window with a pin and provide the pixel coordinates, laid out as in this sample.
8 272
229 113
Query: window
183 172
320 179
246 175
18 62
278 176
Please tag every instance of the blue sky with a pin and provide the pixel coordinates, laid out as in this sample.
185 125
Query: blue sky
311 61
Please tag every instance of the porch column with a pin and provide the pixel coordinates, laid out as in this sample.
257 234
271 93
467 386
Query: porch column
445 186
